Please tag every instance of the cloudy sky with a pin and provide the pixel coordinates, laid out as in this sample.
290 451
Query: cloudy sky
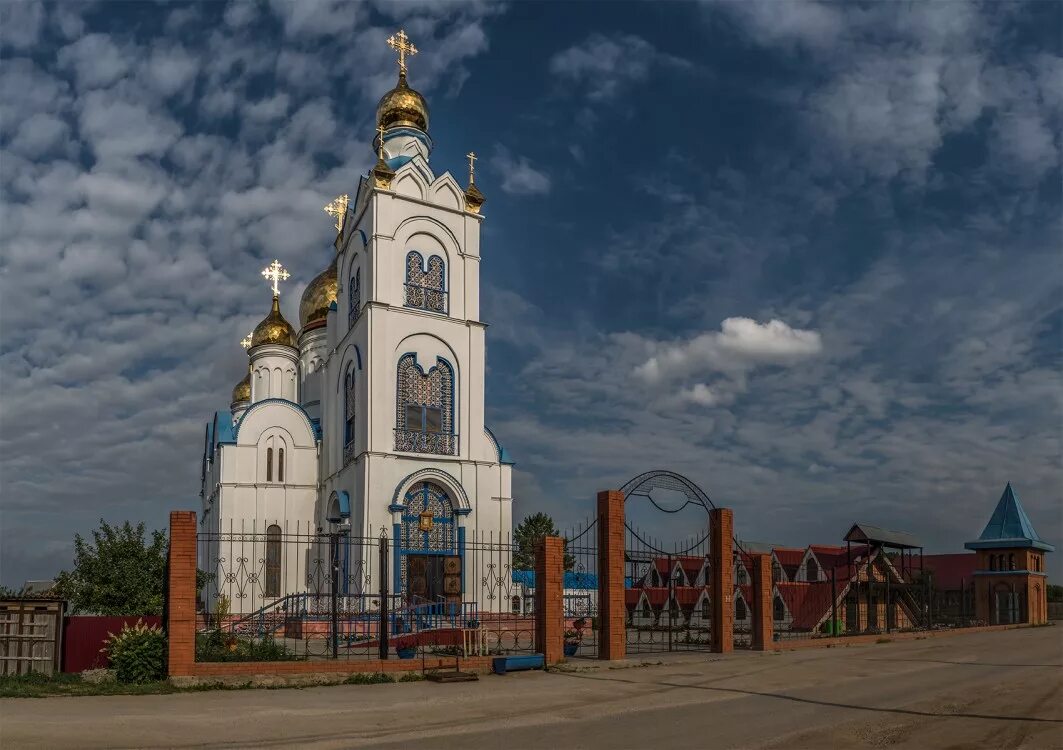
806 254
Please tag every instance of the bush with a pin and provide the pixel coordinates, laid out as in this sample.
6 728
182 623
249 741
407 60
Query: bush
370 678
220 646
137 653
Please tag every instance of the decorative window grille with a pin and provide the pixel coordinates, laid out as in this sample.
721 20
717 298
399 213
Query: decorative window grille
348 416
425 287
740 609
778 610
706 609
273 561
354 298
424 410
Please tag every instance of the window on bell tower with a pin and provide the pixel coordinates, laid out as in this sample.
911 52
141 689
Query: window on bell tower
425 287
354 298
348 415
424 414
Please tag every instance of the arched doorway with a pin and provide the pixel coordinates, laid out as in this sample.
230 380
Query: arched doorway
430 561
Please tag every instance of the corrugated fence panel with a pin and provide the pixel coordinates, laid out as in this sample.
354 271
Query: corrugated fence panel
84 636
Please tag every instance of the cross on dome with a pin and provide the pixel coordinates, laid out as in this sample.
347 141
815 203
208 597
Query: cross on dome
471 156
245 342
275 273
402 44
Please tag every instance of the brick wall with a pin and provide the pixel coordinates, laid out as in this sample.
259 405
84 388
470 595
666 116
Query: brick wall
611 613
181 593
549 606
721 546
761 604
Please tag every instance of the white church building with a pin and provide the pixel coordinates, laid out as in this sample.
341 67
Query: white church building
369 416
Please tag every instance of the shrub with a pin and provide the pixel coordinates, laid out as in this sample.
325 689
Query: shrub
137 653
219 646
368 678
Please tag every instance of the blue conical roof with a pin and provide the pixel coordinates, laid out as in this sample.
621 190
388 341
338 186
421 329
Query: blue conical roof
1009 526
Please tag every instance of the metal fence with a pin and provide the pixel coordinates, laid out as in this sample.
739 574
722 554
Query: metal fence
667 594
270 592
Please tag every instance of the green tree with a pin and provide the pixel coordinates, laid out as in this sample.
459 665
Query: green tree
1055 593
527 533
120 573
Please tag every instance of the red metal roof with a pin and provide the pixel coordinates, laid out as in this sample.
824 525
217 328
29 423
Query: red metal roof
808 603
950 570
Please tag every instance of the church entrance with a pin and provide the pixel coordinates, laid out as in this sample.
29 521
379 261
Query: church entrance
430 563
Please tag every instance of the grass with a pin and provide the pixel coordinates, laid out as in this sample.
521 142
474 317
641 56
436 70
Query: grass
38 685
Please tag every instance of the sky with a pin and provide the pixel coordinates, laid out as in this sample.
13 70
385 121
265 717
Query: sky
806 254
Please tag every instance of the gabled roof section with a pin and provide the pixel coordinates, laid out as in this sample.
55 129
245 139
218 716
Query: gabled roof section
864 532
1009 526
223 428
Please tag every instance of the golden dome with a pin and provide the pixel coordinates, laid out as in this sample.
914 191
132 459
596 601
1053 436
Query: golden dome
318 295
402 107
273 329
242 391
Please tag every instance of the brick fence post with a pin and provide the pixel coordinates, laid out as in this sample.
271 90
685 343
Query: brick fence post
762 611
181 593
612 639
721 547
549 612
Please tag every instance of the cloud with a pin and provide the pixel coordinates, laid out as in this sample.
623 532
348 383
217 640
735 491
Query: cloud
604 64
740 344
95 60
519 177
20 23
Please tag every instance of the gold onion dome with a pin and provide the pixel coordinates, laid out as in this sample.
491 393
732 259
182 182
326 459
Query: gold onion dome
242 391
402 107
318 295
274 329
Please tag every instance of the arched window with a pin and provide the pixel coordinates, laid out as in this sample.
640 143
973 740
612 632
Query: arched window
280 464
424 417
647 611
354 298
348 415
778 610
740 609
269 464
273 561
515 604
706 609
743 578
776 572
992 562
811 569
1011 562
425 286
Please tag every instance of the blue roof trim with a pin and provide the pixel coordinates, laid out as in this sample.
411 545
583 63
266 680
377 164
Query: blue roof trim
1009 526
420 135
223 428
572 580
316 424
286 402
332 305
503 454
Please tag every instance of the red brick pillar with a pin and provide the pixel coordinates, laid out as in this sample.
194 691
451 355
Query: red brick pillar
612 638
761 604
181 593
721 546
549 612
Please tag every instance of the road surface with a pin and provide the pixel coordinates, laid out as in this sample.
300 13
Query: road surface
979 690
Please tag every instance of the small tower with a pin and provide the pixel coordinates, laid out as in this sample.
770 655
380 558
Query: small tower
274 354
1010 581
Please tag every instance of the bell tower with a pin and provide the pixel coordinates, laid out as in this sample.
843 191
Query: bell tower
1010 580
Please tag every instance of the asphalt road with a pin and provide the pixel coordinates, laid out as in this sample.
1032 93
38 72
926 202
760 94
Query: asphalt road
984 690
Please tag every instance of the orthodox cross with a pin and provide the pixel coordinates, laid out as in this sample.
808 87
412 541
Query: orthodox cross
402 44
275 272
380 146
471 156
337 209
245 342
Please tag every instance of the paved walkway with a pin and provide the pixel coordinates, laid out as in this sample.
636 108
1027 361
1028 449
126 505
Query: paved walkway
979 690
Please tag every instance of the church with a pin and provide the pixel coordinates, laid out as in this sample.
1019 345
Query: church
369 416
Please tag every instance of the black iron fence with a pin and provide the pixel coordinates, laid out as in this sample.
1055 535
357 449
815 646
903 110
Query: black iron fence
273 592
667 594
